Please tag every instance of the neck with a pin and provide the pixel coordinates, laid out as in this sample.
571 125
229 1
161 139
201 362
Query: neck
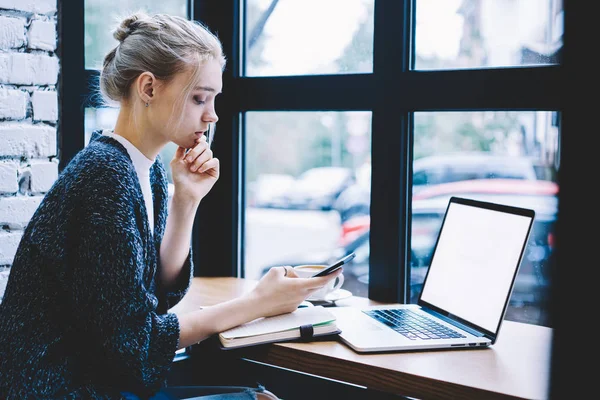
139 133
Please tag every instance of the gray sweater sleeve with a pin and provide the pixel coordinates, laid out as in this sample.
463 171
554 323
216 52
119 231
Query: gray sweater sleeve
112 302
174 294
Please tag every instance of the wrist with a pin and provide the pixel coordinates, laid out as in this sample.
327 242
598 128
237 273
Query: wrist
184 202
253 306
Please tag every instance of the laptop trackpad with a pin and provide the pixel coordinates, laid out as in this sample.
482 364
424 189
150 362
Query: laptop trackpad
362 329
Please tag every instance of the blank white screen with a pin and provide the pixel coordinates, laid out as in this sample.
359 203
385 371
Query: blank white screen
474 263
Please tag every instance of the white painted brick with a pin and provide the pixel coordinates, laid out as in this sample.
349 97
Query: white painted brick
24 180
9 241
12 32
13 103
3 283
31 141
42 35
32 6
17 211
8 178
28 69
45 105
43 175
3 277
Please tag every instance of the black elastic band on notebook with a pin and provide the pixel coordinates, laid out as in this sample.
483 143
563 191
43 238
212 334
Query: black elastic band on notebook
306 332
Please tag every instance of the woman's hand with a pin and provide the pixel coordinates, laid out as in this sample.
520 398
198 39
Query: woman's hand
281 290
194 173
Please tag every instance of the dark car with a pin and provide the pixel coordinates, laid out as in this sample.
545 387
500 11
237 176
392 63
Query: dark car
434 170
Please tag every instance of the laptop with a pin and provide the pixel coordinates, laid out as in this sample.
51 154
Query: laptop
465 293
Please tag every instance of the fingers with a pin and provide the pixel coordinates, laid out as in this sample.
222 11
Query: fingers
308 284
320 281
199 156
198 149
212 164
286 271
196 163
289 272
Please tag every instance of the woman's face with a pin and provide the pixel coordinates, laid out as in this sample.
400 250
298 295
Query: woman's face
198 108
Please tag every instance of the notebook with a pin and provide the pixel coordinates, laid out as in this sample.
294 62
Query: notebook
305 323
465 293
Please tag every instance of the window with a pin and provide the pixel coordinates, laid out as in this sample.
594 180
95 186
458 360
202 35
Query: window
101 15
494 153
303 170
487 33
489 156
308 37
381 88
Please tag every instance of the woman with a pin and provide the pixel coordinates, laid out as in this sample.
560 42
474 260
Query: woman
101 261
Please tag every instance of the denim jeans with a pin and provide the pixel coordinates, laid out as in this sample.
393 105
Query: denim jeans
202 393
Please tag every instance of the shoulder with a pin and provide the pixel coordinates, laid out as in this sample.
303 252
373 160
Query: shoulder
102 164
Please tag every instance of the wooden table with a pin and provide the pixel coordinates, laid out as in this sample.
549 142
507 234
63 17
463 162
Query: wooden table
517 366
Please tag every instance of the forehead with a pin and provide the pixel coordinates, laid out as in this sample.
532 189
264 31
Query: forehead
209 77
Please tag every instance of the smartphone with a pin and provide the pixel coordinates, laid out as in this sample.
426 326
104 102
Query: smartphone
336 265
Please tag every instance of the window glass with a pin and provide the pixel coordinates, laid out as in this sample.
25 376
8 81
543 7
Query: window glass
291 37
101 16
452 34
502 157
307 174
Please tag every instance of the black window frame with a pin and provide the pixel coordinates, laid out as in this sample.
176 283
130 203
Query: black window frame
445 90
219 251
540 88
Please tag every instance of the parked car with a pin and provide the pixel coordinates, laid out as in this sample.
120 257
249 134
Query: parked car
454 167
316 189
267 188
429 206
428 209
439 169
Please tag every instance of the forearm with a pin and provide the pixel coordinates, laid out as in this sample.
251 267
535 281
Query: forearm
175 245
198 325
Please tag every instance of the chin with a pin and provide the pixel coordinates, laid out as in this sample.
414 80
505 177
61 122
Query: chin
188 144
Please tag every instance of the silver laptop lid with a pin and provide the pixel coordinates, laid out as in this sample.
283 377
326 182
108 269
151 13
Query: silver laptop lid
475 262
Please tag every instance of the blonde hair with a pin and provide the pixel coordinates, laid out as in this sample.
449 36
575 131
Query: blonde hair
162 44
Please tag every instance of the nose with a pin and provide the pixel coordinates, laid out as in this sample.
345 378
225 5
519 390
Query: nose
210 116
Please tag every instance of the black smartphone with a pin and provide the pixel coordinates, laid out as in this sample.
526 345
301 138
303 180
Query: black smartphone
336 265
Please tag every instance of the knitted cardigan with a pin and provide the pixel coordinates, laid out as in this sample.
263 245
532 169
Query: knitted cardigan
84 314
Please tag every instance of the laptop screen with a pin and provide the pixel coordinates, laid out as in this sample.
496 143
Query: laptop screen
476 259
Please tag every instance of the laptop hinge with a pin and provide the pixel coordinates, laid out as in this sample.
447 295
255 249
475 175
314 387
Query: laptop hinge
453 322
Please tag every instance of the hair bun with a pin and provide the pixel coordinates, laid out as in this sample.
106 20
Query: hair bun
127 27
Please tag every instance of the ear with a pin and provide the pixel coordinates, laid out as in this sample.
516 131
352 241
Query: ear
145 85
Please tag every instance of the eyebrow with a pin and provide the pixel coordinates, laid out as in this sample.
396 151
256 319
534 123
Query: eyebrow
206 88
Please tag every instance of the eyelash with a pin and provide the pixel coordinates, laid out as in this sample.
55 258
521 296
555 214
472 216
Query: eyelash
198 101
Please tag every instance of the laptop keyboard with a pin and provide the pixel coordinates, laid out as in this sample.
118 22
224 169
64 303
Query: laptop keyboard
412 325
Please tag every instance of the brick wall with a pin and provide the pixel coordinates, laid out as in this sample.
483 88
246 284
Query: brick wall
29 69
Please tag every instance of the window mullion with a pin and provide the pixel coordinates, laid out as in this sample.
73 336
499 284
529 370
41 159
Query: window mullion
391 156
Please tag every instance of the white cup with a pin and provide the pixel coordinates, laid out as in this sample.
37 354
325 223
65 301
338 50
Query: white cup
306 271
